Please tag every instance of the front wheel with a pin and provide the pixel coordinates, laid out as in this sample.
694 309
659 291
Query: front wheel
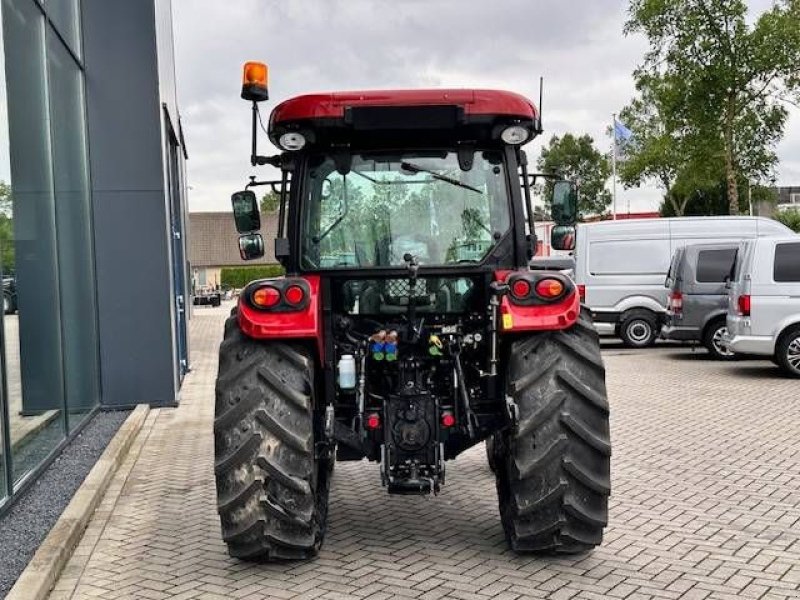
713 340
272 489
787 352
554 480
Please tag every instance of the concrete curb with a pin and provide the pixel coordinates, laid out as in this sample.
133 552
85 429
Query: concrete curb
41 574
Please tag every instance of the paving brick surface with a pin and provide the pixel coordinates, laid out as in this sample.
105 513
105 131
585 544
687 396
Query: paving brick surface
706 504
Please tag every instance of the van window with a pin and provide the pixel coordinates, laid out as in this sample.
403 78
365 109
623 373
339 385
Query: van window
713 266
634 257
787 262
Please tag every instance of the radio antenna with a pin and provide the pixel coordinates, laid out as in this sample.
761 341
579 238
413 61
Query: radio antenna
541 96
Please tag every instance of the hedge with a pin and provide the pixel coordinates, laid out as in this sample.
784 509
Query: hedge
238 277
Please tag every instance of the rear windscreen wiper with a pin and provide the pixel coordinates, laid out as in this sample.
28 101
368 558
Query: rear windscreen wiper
417 169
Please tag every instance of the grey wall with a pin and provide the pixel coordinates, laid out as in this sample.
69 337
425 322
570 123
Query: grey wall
130 209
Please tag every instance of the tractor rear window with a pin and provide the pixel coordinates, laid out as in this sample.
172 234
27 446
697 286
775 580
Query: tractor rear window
419 203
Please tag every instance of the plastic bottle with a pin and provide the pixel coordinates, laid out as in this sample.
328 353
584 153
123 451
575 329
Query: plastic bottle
347 372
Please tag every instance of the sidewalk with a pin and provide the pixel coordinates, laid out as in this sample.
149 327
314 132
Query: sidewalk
706 504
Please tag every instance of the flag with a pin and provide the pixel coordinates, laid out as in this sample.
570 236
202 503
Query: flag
621 133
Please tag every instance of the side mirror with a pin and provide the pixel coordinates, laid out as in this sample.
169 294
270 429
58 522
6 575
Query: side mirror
246 213
564 203
251 246
562 237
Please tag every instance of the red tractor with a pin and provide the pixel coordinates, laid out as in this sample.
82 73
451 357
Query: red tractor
412 324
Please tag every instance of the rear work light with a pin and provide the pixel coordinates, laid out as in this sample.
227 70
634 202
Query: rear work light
743 304
549 289
266 297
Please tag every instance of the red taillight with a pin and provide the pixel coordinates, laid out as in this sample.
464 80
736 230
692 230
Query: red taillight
582 292
448 420
373 421
294 294
743 304
266 297
676 302
549 289
520 288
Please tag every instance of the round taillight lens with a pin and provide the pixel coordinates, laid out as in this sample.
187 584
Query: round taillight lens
373 421
549 288
266 297
448 420
521 288
294 294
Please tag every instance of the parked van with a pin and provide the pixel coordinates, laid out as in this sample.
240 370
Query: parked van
697 303
620 266
764 301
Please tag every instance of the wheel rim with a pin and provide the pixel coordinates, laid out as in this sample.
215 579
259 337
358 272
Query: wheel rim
639 331
718 342
793 354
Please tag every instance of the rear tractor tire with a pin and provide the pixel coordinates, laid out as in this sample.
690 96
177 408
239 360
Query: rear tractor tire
272 491
554 476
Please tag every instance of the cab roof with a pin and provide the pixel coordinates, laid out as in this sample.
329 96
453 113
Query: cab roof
474 102
385 118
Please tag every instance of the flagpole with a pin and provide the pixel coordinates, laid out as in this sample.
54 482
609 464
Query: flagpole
614 166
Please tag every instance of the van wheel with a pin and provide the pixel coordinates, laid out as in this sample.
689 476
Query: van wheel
712 340
638 329
787 352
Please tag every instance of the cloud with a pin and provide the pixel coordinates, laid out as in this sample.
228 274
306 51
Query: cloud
319 45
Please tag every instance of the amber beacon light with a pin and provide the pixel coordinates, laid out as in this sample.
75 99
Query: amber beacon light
254 81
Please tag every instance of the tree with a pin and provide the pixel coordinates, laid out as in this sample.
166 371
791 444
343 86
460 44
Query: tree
790 218
720 82
576 158
6 204
6 229
270 202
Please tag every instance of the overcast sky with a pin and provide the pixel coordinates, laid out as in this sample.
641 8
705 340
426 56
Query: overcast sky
327 45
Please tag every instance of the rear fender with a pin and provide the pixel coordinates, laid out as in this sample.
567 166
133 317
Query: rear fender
542 316
283 323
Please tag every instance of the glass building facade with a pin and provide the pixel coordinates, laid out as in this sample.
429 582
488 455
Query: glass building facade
52 324
51 380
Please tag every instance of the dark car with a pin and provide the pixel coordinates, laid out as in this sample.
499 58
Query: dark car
698 301
9 294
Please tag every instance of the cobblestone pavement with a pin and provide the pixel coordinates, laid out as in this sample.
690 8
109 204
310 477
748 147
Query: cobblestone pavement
706 504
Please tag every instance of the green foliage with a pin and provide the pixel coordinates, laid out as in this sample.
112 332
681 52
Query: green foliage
790 218
711 94
270 202
576 158
238 277
710 199
7 256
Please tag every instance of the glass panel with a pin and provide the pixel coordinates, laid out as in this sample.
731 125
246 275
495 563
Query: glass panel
713 266
73 223
787 263
65 15
32 331
386 207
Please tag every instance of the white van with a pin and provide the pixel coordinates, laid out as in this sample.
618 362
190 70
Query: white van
621 266
764 301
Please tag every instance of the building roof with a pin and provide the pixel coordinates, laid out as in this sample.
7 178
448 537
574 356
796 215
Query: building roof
213 241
